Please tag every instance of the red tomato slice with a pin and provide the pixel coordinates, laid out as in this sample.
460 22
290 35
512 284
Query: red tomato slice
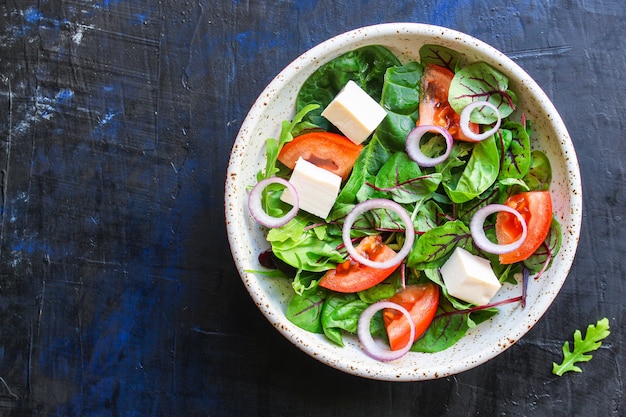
421 301
536 208
327 150
434 108
351 276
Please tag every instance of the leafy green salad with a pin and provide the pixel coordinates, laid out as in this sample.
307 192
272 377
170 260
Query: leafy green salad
440 200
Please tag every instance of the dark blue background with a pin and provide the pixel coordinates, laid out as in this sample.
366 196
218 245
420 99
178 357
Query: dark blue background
118 295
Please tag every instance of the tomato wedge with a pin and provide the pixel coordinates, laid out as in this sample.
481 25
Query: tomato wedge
421 301
434 108
536 208
327 150
351 276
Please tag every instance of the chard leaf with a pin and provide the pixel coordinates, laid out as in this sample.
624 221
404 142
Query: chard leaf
516 155
305 311
481 82
403 180
582 346
433 248
429 215
449 326
439 55
544 255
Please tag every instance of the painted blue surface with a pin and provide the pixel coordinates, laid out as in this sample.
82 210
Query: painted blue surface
117 292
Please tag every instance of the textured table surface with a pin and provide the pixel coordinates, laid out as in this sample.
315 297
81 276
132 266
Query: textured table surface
118 295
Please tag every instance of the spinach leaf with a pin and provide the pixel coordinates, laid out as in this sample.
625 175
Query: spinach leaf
385 289
539 174
273 147
400 97
305 311
341 313
481 82
366 66
439 55
479 173
367 165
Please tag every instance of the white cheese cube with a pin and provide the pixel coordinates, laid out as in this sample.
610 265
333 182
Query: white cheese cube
317 188
469 277
354 113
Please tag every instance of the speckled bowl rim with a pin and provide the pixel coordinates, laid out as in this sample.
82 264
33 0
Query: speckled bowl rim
246 238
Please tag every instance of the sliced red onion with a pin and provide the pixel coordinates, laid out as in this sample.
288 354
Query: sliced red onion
413 148
478 231
257 211
379 203
372 348
465 120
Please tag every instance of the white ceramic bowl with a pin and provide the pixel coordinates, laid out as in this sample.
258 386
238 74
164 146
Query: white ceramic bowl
276 103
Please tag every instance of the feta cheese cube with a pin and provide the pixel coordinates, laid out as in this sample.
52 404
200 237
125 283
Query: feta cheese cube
317 188
469 277
354 113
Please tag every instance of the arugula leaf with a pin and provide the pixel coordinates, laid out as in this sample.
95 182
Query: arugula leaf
592 341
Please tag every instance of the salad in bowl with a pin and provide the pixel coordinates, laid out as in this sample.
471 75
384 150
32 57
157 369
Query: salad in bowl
403 202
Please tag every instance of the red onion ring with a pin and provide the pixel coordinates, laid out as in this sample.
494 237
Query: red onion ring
413 145
478 232
465 120
369 344
256 209
376 203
